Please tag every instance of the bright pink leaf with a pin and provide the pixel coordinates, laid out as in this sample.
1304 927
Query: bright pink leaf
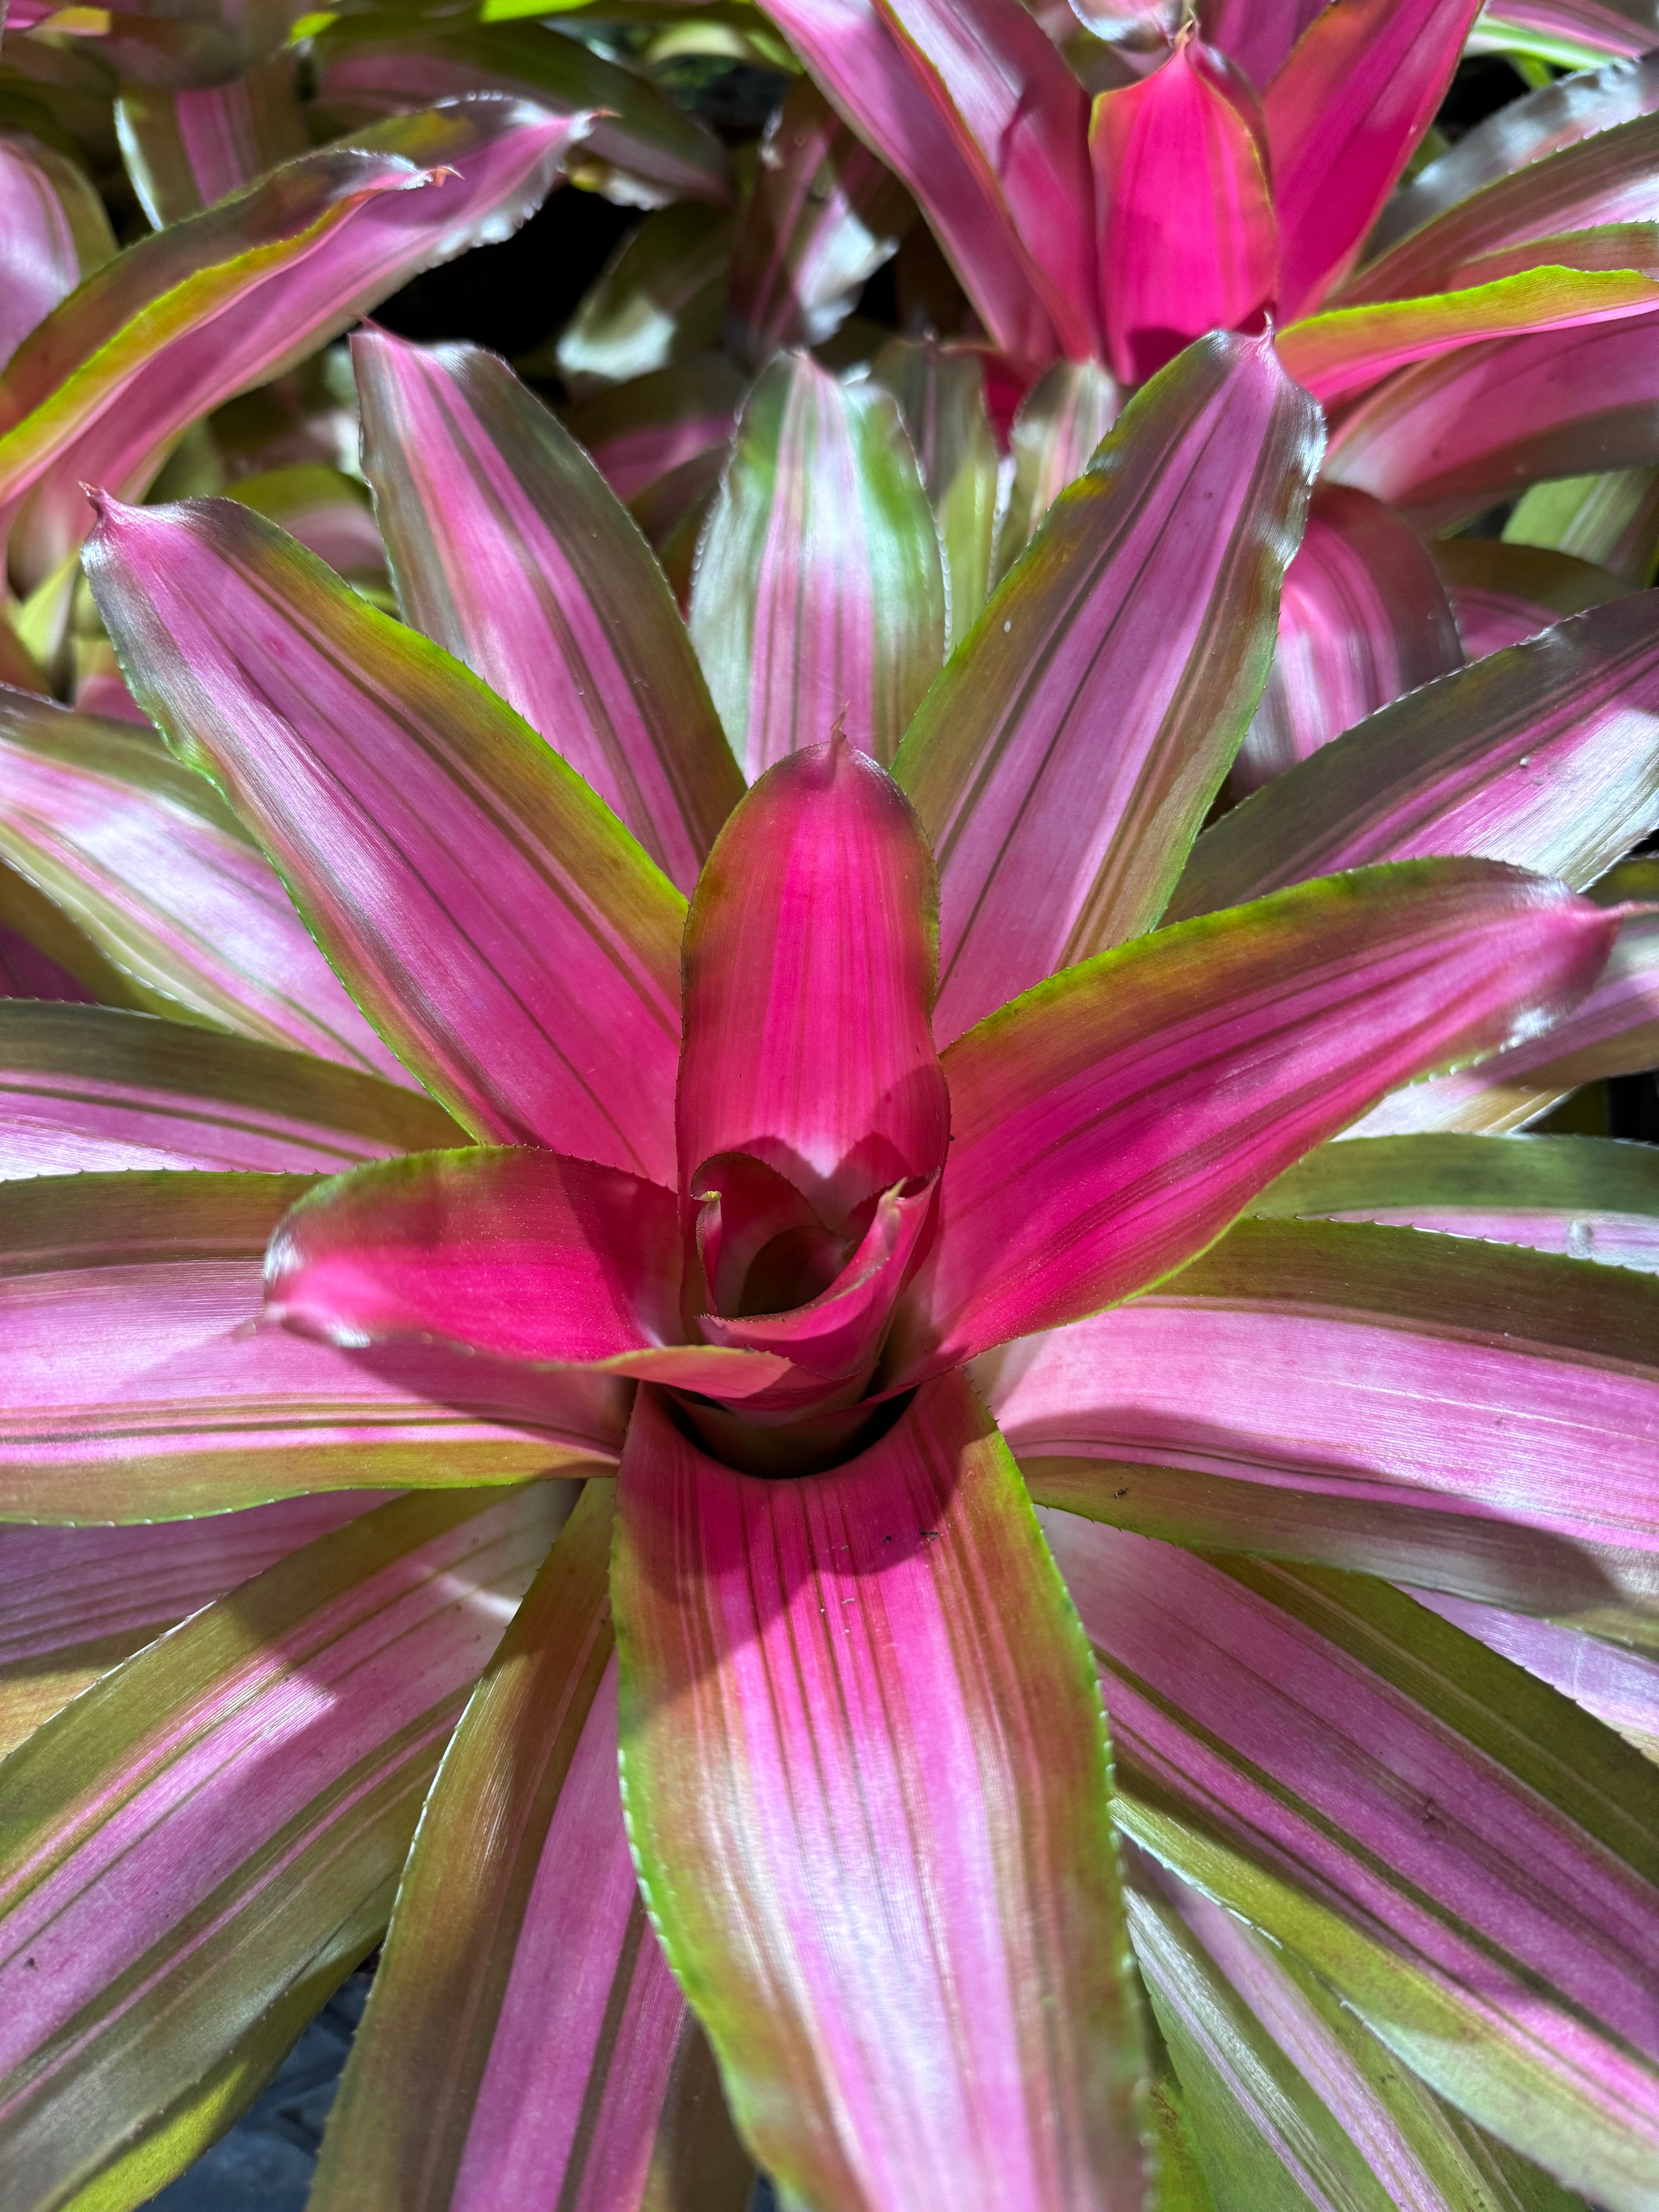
1503 594
865 1785
89 1088
644 430
1019 117
1467 1859
1106 1127
141 1389
863 70
501 925
1423 1407
339 230
186 148
1185 216
511 553
1363 618
1343 113
809 973
1256 34
1621 1687
1546 756
1062 763
516 1253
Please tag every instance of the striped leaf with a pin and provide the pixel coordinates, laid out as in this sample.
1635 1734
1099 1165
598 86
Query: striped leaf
90 1087
76 1602
819 600
186 148
1146 608
1579 1196
1503 594
524 2045
196 1851
941 395
1620 1686
501 927
58 233
1546 756
159 900
1051 440
511 552
866 1788
141 1389
177 323
1528 1482
1464 1856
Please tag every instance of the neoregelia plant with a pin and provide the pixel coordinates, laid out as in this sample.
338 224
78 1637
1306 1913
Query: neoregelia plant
804 1219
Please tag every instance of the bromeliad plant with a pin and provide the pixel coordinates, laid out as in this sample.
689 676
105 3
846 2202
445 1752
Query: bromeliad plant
743 1191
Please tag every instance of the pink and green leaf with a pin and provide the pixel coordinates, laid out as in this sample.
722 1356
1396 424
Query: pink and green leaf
89 1088
1064 761
1503 594
818 599
1588 183
1439 1411
525 2042
1344 114
58 233
76 1602
940 391
1609 519
150 869
1051 441
1612 1031
1571 35
658 302
1583 1196
641 431
1297 2106
1545 756
1184 212
855 1726
185 149
642 149
1363 618
1620 1686
823 215
511 552
1108 1126
142 1388
504 931
181 321
863 70
1467 1858
209 1838
1348 349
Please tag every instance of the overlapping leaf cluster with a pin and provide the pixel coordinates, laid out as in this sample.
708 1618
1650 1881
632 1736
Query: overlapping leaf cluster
864 1129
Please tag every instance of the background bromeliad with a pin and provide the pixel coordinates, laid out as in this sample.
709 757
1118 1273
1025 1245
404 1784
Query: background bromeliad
865 1129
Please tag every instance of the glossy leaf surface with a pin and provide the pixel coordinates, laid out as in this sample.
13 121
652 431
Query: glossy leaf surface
141 1390
91 1088
855 1724
1107 1125
56 232
1188 240
1343 114
818 599
1304 1443
501 927
525 2042
228 1812
1546 756
941 397
1363 618
1064 761
658 301
186 148
179 322
180 911
1053 439
1468 1858
510 551
1503 594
